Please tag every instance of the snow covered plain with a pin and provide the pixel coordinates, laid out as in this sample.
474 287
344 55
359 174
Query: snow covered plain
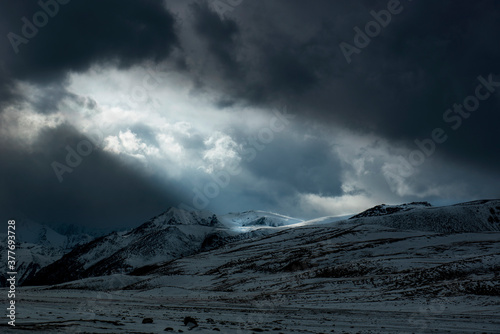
406 271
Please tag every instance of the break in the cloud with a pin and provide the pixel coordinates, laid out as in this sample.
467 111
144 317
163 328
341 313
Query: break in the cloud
252 105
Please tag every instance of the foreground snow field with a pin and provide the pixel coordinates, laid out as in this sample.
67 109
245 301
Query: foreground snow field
80 311
407 269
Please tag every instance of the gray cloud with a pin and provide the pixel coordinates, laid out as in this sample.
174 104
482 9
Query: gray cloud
395 90
219 35
78 35
101 191
315 167
427 59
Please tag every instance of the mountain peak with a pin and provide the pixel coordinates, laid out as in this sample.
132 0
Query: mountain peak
176 216
257 218
384 209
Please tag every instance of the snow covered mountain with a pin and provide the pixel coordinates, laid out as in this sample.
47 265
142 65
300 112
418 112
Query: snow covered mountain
340 263
170 235
410 257
177 233
37 246
248 219
409 268
403 252
384 209
476 216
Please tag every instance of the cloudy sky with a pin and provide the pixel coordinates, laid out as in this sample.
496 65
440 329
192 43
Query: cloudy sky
112 111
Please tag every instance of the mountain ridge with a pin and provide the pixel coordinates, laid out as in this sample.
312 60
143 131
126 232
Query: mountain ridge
176 234
474 216
38 245
170 235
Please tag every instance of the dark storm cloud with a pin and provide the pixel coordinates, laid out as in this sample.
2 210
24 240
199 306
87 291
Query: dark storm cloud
101 192
76 35
428 58
219 35
79 34
260 54
315 169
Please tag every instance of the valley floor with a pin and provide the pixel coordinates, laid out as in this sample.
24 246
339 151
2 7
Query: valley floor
84 311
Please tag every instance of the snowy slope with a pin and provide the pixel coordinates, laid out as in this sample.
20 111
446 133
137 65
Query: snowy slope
367 251
177 233
305 262
350 276
173 234
244 221
39 234
477 216
170 235
394 250
384 209
37 246
324 220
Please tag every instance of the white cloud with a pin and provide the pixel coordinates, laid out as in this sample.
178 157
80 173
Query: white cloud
177 133
128 143
222 151
23 126
335 206
168 144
